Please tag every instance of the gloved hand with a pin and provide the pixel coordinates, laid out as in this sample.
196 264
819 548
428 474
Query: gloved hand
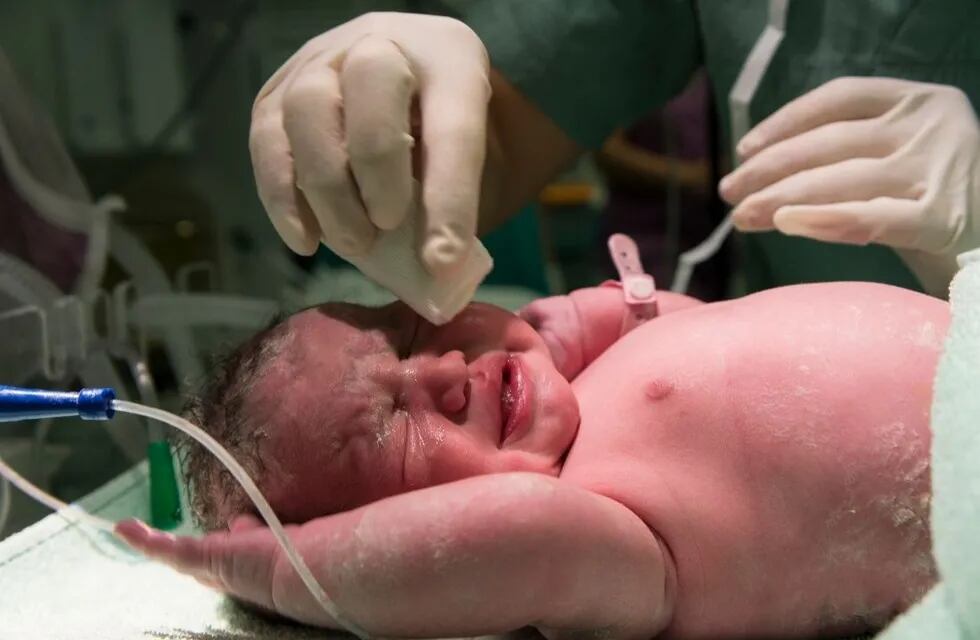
332 135
861 160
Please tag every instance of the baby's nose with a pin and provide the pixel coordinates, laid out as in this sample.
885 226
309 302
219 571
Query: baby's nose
444 378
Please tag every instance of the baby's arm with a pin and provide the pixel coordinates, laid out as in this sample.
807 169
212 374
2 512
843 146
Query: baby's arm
479 556
579 327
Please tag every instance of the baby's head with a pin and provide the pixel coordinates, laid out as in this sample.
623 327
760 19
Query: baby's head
340 405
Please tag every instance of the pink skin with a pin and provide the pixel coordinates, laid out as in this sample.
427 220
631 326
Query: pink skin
753 468
381 402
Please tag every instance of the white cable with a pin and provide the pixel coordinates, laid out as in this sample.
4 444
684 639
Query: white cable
739 100
5 499
50 501
257 498
693 257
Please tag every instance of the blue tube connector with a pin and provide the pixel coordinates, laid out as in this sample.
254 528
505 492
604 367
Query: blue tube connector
32 404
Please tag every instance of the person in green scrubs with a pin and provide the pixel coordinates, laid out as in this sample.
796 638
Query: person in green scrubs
857 146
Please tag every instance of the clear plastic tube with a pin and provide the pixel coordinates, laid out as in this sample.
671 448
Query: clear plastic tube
226 459
50 501
695 256
5 499
257 498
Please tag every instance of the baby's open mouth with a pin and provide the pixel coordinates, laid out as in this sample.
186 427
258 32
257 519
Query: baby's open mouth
513 401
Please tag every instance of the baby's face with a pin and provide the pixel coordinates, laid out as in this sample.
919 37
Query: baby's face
366 403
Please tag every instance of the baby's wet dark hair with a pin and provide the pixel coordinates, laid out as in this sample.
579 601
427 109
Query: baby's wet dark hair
222 409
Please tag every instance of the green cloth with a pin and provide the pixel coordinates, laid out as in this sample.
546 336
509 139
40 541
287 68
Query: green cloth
593 65
516 250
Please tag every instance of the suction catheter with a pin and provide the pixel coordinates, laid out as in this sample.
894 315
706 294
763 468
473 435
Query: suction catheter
101 404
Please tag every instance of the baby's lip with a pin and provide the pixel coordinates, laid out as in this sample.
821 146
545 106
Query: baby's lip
487 375
516 395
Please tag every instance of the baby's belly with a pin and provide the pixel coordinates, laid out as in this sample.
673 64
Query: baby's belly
789 482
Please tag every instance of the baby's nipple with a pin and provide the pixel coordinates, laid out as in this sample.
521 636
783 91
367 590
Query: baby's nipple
658 389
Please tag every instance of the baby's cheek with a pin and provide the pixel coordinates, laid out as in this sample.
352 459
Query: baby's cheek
450 456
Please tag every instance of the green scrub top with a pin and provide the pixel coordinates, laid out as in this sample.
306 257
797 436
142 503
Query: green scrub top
594 65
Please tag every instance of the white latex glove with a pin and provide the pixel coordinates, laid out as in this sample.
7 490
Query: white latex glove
331 137
861 160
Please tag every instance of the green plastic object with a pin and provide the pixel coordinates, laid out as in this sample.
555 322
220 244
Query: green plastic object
164 496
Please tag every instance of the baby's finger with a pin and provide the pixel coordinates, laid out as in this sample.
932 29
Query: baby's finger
245 522
153 543
240 564
378 86
132 532
313 121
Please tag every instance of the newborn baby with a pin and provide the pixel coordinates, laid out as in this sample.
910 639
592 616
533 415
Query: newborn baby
751 468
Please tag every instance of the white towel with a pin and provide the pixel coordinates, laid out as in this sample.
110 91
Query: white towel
952 609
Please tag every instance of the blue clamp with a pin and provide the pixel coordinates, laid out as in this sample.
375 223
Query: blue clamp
32 404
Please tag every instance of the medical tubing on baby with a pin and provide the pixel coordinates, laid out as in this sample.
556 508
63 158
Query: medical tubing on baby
28 404
100 404
50 501
257 498
5 500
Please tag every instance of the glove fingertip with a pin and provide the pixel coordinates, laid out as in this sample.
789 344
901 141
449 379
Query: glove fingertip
791 225
443 255
296 235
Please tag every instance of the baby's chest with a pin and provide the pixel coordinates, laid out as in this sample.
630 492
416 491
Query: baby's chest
743 418
653 439
751 480
638 412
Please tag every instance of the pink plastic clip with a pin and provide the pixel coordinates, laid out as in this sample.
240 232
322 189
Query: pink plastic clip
639 289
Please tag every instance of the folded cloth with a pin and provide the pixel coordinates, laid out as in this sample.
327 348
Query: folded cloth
952 608
393 263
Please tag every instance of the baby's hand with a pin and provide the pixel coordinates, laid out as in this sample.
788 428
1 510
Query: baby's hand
244 562
579 327
557 321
